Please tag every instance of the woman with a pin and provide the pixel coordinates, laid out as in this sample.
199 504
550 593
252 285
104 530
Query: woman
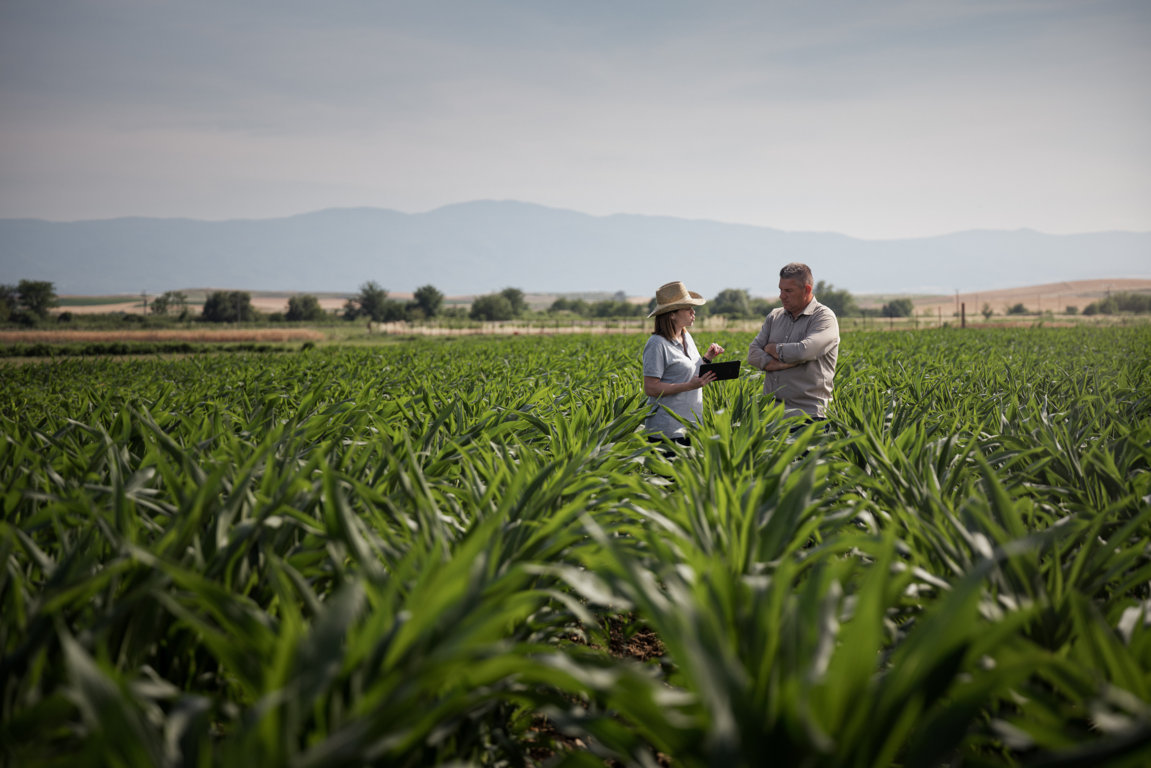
671 363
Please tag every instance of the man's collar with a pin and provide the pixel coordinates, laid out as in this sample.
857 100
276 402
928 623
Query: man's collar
808 309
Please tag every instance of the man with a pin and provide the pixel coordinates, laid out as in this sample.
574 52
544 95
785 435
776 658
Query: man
797 347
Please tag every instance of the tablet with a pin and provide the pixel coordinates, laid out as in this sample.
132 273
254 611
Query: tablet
728 370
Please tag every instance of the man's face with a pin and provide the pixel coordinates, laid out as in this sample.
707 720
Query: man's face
794 295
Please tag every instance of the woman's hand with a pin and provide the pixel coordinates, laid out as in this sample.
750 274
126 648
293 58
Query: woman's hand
702 381
713 352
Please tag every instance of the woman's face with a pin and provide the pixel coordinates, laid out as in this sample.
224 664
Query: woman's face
684 317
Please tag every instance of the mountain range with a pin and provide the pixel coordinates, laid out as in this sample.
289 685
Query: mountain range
484 246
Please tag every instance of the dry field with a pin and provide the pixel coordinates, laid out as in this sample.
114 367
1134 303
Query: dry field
1054 297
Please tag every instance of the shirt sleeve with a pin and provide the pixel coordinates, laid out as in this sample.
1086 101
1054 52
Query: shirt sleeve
821 335
654 361
755 354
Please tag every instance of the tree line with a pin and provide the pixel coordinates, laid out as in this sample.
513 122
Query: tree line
510 303
1137 303
30 302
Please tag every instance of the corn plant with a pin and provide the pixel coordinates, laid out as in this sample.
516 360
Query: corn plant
420 553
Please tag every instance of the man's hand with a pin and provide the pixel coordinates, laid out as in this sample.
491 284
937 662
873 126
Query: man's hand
774 363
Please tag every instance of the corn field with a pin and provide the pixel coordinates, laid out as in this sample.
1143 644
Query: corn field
464 552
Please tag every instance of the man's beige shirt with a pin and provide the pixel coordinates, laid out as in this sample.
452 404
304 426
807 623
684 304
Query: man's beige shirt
812 339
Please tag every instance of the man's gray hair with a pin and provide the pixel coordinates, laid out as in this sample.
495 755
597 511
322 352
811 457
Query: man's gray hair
801 273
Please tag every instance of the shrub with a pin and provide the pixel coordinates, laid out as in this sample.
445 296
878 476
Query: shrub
228 307
516 301
429 299
1121 302
841 302
898 308
733 302
304 307
493 307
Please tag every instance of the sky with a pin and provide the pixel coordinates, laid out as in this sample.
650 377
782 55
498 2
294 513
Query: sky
884 119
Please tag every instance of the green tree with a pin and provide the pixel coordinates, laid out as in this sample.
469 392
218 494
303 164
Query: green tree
494 306
516 300
1120 302
575 306
393 311
37 297
760 307
987 311
229 307
372 301
842 303
170 302
8 299
612 308
1134 302
732 301
898 308
1018 309
429 300
304 307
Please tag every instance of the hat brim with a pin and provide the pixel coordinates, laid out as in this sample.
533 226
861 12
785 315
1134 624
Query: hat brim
695 301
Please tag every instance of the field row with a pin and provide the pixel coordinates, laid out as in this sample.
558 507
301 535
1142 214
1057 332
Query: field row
463 550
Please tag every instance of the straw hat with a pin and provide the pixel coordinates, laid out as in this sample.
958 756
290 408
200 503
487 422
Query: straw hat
675 295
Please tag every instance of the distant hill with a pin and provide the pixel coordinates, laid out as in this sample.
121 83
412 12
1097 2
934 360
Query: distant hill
477 247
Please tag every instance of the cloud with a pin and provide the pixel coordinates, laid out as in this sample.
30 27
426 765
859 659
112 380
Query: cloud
878 120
